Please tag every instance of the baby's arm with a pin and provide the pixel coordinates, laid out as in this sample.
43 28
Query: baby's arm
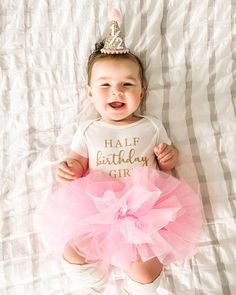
72 168
167 156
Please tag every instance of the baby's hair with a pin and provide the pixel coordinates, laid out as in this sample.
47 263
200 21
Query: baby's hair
97 55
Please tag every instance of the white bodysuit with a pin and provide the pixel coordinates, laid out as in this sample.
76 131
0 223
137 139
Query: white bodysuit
117 149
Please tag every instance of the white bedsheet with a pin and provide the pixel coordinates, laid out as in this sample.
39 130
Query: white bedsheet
189 52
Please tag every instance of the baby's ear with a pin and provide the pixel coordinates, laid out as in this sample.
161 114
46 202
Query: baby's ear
143 91
89 91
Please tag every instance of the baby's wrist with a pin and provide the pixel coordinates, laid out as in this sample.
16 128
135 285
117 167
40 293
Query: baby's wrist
166 166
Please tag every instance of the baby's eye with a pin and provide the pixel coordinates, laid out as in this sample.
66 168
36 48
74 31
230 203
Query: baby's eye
128 84
105 85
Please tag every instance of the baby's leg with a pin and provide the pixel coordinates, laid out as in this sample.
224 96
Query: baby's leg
143 278
87 276
71 255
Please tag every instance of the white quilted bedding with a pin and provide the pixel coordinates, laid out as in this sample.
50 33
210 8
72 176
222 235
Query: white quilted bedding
189 52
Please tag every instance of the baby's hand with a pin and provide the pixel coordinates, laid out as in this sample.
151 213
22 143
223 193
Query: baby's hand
68 171
167 156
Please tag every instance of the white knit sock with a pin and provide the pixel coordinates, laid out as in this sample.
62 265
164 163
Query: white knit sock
131 287
87 276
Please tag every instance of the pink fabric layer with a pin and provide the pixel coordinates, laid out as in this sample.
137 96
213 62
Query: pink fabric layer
153 214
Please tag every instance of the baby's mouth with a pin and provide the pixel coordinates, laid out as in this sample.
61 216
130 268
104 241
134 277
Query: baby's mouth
116 104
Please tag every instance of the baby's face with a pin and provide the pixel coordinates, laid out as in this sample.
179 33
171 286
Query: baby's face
116 89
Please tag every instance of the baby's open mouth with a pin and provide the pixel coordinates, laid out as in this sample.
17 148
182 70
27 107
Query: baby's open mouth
116 104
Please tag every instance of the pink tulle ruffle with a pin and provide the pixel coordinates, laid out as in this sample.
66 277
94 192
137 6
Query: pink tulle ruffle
153 214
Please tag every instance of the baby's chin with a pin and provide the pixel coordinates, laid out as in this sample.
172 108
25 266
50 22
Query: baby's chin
120 120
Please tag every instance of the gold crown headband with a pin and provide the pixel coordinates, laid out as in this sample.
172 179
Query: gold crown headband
114 42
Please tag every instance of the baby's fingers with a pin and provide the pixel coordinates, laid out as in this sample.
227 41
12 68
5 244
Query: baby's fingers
165 157
62 179
160 148
64 175
63 166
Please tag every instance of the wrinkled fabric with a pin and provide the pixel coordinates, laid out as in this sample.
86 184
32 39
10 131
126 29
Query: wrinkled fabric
188 51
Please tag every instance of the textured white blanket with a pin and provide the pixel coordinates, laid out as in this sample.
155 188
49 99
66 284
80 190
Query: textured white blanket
189 52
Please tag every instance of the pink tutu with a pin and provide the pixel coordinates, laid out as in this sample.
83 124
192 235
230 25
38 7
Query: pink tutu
152 215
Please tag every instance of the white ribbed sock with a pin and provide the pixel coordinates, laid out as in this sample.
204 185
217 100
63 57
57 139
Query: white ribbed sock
131 287
87 276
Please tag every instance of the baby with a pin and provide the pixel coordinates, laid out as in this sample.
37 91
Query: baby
115 207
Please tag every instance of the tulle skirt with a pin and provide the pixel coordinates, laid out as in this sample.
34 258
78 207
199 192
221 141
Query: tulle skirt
153 214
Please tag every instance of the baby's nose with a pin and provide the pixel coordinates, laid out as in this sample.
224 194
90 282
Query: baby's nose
117 92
